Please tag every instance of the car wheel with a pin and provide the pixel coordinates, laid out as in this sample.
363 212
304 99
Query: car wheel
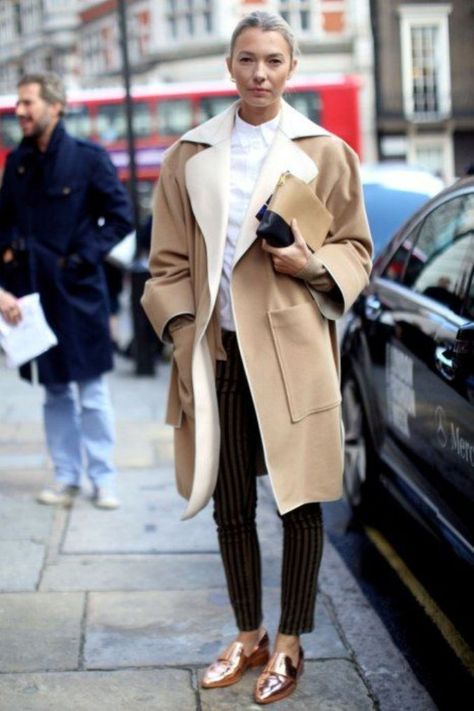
358 457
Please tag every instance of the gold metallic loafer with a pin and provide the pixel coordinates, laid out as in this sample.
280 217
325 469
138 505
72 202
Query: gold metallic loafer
279 678
231 665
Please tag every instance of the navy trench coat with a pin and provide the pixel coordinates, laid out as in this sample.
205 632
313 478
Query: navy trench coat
60 213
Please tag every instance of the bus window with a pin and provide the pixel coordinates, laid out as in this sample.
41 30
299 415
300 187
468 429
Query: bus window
209 106
142 123
112 121
78 121
174 116
306 102
10 130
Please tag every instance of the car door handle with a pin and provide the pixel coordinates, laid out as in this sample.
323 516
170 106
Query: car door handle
444 363
373 307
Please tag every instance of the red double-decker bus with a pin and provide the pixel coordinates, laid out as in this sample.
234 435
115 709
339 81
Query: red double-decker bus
163 112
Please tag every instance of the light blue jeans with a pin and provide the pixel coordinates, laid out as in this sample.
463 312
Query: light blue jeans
78 421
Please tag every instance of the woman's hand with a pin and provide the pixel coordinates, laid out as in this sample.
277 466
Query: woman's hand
289 260
9 307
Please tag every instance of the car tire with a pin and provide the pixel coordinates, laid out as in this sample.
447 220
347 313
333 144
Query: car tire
359 457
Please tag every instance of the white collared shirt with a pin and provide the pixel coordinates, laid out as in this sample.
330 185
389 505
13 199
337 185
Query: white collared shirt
249 147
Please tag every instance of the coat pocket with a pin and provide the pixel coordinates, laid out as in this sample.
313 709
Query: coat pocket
183 341
303 347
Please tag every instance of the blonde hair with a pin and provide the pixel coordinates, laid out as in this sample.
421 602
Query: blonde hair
267 22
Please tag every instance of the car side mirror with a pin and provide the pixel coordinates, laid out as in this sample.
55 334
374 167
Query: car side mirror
463 351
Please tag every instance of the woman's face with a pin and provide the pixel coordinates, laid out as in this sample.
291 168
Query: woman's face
260 64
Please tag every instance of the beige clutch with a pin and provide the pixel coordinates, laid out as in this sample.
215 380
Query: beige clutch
293 198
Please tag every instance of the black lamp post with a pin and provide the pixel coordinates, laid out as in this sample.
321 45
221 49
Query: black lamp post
132 166
144 340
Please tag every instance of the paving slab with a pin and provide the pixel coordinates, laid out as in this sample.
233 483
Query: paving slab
19 398
129 431
22 519
23 483
71 573
21 563
135 454
22 431
128 572
153 690
180 627
22 459
147 522
40 631
331 685
137 399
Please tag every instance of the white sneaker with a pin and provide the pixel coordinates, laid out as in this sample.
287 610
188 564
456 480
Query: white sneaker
58 495
104 498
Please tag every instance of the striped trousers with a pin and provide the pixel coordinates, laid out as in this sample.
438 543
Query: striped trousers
235 503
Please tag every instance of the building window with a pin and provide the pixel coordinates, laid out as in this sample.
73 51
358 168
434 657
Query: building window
297 13
433 152
333 16
326 17
140 35
17 19
189 18
425 61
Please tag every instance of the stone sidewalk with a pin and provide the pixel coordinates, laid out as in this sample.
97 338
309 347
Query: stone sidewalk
123 609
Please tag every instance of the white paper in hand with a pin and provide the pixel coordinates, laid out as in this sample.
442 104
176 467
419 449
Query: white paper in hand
29 338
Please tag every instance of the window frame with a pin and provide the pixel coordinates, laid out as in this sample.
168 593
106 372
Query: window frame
419 16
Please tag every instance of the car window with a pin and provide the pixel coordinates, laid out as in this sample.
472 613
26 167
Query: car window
395 270
470 299
440 254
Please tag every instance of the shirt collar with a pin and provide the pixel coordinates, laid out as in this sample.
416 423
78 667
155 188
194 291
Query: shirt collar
264 131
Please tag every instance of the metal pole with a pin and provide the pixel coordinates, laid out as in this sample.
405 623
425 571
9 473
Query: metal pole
144 340
132 166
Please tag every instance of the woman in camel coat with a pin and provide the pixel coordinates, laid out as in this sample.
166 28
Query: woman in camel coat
281 306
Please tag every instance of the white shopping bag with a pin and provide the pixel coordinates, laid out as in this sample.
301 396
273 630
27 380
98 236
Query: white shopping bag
30 337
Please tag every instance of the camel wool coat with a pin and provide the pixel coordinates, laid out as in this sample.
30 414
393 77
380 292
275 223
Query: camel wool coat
285 327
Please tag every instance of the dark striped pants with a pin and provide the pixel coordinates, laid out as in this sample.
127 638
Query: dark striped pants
235 502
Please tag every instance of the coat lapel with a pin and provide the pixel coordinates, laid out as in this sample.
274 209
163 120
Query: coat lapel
207 183
208 180
283 155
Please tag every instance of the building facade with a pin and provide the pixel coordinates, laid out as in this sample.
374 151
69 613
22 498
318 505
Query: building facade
38 34
178 40
423 74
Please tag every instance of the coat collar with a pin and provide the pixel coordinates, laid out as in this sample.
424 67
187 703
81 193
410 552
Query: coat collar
207 176
28 145
292 123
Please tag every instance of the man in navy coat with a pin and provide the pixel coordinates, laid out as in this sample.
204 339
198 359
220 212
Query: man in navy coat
62 208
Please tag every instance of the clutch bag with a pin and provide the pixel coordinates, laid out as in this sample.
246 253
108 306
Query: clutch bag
293 198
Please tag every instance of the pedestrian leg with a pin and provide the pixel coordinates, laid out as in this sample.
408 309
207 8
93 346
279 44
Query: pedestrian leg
62 428
98 437
61 424
235 496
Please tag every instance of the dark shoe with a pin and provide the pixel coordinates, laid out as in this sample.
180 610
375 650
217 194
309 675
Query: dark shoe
279 678
230 666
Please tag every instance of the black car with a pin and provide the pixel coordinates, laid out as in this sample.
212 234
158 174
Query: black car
408 372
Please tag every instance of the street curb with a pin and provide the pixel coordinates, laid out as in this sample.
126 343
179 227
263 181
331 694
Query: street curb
390 681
